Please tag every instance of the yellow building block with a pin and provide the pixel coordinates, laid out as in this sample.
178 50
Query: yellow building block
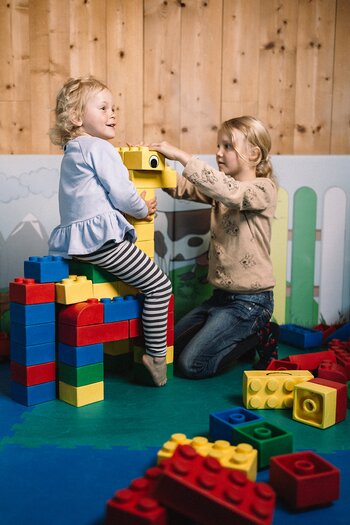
271 389
144 231
147 247
153 179
81 395
126 289
107 290
74 289
241 457
315 404
117 347
142 158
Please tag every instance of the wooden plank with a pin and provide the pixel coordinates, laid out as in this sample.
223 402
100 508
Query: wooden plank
15 121
313 104
303 258
201 53
240 58
279 251
162 26
277 71
332 254
340 136
124 41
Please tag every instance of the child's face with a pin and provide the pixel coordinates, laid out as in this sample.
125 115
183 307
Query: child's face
227 158
98 119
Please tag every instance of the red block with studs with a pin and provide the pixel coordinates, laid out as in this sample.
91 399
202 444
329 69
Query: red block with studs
89 335
304 480
27 291
312 361
202 490
332 372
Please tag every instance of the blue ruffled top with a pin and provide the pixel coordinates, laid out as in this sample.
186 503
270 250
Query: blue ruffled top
94 193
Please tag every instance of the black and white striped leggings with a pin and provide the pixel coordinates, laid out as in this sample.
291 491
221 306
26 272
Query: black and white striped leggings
131 265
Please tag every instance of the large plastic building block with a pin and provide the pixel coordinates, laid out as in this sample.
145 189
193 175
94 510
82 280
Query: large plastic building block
221 424
46 269
242 457
92 334
282 364
202 490
271 389
81 375
80 355
81 395
304 480
83 314
320 403
32 354
332 372
121 308
144 231
29 314
343 333
135 328
343 358
91 271
299 336
266 438
147 247
27 291
74 289
33 395
312 361
33 333
141 158
108 289
34 374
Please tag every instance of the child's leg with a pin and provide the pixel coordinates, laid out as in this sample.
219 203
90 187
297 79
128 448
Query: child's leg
127 262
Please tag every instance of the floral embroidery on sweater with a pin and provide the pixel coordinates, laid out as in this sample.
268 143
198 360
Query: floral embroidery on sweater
248 261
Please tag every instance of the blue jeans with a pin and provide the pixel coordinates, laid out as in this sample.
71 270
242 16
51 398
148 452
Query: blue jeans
206 337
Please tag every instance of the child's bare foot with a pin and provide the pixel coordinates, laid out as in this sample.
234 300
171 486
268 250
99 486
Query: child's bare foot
156 367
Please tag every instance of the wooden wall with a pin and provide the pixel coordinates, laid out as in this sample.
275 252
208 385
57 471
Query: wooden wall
178 68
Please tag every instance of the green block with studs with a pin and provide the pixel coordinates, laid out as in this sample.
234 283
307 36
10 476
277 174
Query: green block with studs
81 375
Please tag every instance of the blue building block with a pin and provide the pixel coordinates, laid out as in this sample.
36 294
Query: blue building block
299 336
47 269
33 334
221 424
80 355
121 308
343 333
32 354
29 314
33 395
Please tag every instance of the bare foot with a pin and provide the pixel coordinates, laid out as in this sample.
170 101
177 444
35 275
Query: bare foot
156 367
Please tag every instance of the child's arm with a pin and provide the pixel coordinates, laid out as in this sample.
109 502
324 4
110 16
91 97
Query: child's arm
171 152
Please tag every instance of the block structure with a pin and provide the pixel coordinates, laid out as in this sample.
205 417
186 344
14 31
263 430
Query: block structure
221 424
304 480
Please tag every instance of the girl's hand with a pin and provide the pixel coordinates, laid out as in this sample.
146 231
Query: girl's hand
151 205
171 152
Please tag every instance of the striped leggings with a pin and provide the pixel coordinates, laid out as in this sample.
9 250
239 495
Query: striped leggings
130 264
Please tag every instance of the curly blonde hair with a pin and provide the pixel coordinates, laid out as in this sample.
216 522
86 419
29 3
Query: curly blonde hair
258 136
70 102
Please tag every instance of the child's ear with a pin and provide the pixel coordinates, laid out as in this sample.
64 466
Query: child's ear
255 154
76 119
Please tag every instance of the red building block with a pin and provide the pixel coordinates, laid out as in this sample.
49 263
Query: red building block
135 505
89 335
282 364
135 328
82 314
34 374
27 291
202 490
304 479
343 359
4 346
312 361
342 393
332 372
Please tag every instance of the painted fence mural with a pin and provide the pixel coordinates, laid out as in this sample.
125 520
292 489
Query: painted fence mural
310 247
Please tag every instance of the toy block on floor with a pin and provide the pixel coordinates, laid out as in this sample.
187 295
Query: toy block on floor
29 314
46 269
33 354
269 440
312 361
320 403
221 424
207 493
80 355
33 395
299 336
304 480
92 334
343 333
86 313
264 389
74 289
121 308
332 372
282 364
80 375
34 374
27 291
81 395
343 359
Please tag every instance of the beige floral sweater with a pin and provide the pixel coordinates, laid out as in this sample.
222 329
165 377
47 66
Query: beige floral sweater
241 216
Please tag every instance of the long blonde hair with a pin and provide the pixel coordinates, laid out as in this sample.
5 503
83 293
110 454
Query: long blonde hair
258 136
71 101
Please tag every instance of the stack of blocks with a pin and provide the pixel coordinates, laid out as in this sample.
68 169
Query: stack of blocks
96 312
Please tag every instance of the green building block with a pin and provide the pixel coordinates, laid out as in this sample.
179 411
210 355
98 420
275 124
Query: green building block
91 271
81 375
267 439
